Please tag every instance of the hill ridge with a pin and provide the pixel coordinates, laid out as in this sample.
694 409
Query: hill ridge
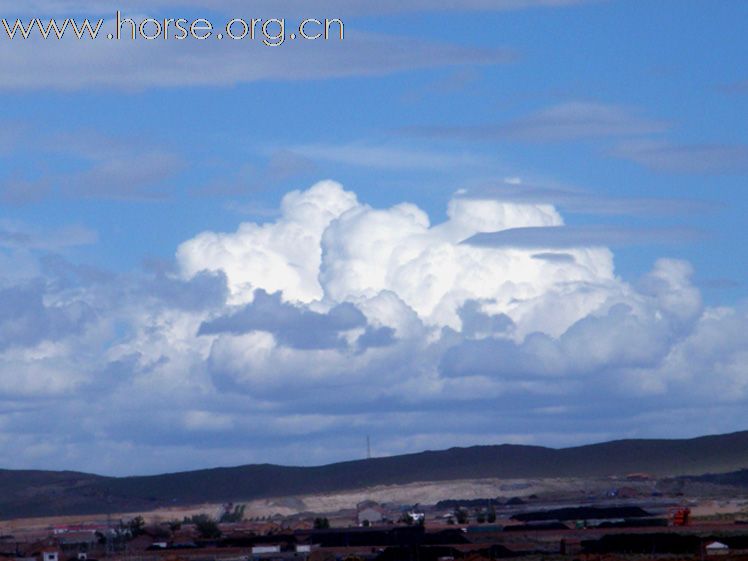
41 493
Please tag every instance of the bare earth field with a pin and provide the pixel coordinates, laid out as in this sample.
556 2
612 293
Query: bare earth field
424 493
552 490
542 491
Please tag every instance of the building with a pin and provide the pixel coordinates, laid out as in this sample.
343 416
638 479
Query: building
265 549
640 476
50 554
682 517
416 516
370 516
717 548
570 546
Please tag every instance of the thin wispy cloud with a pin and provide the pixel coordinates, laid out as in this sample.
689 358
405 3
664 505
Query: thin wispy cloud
640 139
390 157
707 159
739 87
584 201
22 236
567 121
575 236
134 66
580 120
19 190
131 176
104 167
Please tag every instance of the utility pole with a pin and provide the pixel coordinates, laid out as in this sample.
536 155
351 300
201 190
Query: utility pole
109 548
368 447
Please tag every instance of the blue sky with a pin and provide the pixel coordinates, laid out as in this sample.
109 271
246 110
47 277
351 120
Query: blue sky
574 173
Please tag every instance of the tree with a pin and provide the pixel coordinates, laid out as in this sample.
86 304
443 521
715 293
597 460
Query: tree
205 525
491 516
233 515
158 531
208 529
461 515
136 526
321 523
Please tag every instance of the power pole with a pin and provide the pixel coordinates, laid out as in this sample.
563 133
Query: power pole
109 547
109 538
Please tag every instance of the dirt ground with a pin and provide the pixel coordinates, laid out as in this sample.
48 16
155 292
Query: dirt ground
423 493
548 490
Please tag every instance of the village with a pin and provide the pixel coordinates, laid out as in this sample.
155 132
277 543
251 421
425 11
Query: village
468 530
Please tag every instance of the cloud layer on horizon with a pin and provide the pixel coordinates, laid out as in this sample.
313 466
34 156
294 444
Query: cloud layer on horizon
290 340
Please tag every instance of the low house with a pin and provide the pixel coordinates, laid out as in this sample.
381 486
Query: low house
717 548
571 546
50 554
416 516
370 516
140 543
265 549
639 476
77 539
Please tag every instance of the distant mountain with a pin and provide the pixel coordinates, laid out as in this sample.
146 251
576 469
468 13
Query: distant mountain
732 479
39 493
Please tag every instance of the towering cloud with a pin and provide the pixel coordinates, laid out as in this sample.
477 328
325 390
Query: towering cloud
327 248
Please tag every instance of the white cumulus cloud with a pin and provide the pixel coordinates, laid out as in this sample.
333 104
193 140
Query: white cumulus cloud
285 341
328 248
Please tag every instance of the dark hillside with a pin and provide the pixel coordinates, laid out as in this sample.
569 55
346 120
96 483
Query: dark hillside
36 493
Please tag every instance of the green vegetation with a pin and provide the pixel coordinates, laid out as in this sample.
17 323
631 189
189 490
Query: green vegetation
136 526
206 526
321 523
208 529
235 515
461 515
